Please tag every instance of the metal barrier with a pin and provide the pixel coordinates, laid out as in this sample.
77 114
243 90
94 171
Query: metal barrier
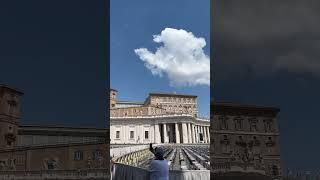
121 171
55 174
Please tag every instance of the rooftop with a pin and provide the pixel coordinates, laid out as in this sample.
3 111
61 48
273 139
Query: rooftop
113 90
130 102
11 88
61 130
232 105
171 94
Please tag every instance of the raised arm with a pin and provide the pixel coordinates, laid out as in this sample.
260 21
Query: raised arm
151 148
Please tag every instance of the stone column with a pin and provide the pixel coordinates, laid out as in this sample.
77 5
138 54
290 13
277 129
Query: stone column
177 133
184 133
208 133
189 133
197 133
157 138
165 133
193 134
205 134
204 138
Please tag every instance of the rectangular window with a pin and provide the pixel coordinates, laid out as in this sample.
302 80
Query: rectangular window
224 123
253 126
146 134
97 154
118 134
238 124
131 134
78 155
225 148
268 126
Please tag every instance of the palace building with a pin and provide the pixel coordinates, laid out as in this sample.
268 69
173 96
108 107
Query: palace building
161 118
40 150
245 138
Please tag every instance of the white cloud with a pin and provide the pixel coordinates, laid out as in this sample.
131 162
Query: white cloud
180 57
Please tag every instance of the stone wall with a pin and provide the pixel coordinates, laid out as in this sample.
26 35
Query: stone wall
55 157
175 103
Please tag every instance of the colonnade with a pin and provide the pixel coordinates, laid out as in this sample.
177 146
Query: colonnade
181 133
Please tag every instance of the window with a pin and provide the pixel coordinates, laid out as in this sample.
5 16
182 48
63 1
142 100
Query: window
270 145
255 142
78 155
223 122
51 164
12 105
238 124
97 154
131 134
268 125
225 137
240 142
275 171
146 134
253 125
225 144
118 134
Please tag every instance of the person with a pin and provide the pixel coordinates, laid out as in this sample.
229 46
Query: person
159 167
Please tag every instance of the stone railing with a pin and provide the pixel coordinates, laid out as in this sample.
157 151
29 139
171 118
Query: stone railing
236 167
121 171
151 116
55 174
203 119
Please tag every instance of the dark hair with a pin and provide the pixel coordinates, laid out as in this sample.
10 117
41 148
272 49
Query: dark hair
159 153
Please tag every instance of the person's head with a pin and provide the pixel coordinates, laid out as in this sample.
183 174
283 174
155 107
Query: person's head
159 153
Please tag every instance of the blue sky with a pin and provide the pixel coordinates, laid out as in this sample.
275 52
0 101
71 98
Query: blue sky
133 24
54 51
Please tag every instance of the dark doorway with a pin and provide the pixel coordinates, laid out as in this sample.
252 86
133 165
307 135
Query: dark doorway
161 133
201 136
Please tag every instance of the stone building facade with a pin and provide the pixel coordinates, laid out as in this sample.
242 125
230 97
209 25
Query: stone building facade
161 118
41 148
245 139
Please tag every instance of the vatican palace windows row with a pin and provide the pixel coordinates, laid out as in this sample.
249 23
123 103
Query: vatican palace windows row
256 144
95 155
246 124
175 99
132 135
